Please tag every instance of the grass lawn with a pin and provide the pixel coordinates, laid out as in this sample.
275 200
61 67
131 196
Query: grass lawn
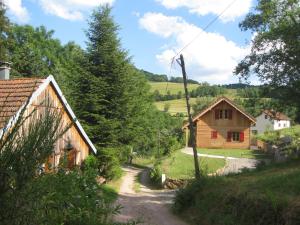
268 195
181 166
237 153
174 88
143 161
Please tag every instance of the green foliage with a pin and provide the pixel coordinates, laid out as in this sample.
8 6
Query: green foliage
250 92
109 165
4 30
67 198
91 162
264 196
201 104
23 151
276 48
255 106
156 173
154 77
30 196
164 78
276 137
205 90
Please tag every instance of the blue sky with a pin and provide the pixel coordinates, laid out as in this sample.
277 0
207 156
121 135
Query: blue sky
153 31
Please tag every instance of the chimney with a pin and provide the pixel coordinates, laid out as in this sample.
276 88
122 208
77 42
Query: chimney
4 70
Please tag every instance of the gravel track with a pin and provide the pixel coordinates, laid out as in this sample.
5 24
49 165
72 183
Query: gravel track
151 207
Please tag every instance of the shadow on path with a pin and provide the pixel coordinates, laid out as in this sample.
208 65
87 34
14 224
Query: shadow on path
151 207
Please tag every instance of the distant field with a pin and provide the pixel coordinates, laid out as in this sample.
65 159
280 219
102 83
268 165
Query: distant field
179 105
176 106
174 88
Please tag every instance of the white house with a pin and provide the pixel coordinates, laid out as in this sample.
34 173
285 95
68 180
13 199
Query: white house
270 120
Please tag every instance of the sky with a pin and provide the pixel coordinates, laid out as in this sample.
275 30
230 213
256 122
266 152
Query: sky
154 31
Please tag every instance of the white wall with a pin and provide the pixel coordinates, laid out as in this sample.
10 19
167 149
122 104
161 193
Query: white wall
263 124
280 124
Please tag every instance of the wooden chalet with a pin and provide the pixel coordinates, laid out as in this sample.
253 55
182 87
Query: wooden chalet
222 125
15 94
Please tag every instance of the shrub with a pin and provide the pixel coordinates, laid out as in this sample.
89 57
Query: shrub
156 173
71 197
91 162
108 163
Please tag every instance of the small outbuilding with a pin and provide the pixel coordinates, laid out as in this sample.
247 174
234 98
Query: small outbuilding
15 94
222 125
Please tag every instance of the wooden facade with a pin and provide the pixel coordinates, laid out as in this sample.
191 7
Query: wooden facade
45 93
223 125
72 143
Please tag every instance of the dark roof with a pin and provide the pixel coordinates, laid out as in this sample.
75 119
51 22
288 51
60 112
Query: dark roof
276 115
13 94
215 103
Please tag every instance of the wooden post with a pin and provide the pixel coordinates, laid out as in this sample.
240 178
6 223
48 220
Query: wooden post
191 125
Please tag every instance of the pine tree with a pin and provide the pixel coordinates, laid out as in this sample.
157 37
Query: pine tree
116 92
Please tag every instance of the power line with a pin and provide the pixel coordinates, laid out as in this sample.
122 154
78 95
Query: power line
205 28
196 37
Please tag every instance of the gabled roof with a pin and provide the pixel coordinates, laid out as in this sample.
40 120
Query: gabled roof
276 115
14 94
217 102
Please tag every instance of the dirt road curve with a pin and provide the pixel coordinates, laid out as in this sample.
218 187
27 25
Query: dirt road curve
152 207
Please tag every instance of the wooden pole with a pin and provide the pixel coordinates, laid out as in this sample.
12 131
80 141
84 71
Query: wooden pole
191 125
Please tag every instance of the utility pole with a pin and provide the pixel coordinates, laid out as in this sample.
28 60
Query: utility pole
191 125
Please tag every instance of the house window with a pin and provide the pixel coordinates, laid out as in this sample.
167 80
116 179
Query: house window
235 136
266 117
214 134
284 125
223 114
279 124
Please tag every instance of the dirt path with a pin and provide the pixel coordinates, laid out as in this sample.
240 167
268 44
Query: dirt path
151 207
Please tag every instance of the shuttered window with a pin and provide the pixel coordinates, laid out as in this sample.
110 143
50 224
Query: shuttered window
235 136
229 136
214 134
242 136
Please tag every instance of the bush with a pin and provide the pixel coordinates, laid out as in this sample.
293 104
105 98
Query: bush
91 162
109 165
156 173
66 198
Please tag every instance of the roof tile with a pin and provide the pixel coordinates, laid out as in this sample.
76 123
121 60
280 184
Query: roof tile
13 94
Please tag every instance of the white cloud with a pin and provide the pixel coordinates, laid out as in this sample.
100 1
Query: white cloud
205 7
17 10
70 9
211 57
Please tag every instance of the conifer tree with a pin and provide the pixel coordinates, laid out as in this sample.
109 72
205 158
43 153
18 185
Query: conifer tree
114 94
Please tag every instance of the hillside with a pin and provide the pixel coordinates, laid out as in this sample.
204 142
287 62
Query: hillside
174 88
263 196
179 105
